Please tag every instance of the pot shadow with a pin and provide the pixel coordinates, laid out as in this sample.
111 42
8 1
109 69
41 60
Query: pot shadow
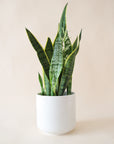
93 126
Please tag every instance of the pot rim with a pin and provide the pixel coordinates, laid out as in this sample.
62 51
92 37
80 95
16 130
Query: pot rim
65 95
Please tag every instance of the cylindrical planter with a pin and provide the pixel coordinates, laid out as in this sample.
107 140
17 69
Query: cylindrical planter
55 114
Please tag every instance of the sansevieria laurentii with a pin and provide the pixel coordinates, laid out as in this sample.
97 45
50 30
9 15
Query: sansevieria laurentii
57 60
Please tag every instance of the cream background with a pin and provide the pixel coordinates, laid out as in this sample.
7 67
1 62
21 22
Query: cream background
93 77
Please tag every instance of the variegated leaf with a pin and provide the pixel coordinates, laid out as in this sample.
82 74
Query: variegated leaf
69 87
40 52
47 84
41 83
67 46
62 25
67 71
56 64
49 49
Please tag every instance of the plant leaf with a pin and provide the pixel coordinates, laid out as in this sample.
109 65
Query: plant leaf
49 52
47 84
67 71
62 25
69 87
80 35
57 35
75 43
56 64
49 49
67 46
40 52
41 83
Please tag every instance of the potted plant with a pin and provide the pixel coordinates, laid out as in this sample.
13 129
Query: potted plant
55 105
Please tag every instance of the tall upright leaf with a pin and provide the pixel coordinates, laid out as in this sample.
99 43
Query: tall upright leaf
41 83
49 49
56 64
49 52
40 52
67 46
64 34
75 43
69 87
47 85
67 51
67 72
62 25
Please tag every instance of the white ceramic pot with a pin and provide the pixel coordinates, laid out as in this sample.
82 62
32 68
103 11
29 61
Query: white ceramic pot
55 114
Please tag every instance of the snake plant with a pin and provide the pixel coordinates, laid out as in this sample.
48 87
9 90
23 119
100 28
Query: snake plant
57 60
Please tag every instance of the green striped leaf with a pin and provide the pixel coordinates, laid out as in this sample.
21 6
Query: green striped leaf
40 52
62 25
75 43
57 35
80 35
49 52
49 49
41 83
47 84
67 72
67 46
69 87
56 64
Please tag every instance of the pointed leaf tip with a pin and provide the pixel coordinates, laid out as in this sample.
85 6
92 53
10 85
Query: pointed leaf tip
49 49
66 4
62 24
80 35
26 30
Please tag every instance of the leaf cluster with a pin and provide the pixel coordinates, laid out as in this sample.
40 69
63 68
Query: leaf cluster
57 60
